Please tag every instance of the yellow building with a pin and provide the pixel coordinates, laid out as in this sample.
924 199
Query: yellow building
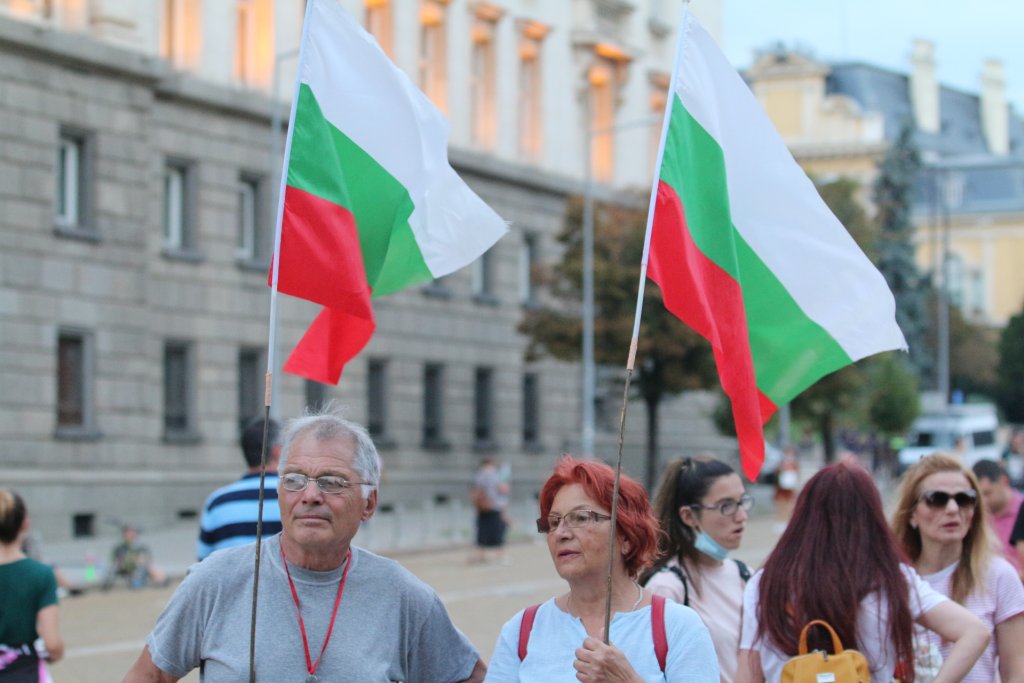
839 120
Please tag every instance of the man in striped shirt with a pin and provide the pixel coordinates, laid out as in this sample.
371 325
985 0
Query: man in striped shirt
230 513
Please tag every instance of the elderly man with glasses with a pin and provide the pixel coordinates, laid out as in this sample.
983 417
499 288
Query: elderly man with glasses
327 610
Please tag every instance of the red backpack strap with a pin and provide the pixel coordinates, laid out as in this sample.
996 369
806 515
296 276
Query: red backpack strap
525 626
657 630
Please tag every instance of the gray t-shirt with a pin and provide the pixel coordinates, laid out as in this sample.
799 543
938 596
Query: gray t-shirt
390 625
488 479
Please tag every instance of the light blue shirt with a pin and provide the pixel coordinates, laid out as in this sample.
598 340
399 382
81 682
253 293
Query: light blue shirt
556 635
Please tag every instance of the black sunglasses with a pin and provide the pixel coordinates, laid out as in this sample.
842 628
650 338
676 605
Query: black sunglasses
940 499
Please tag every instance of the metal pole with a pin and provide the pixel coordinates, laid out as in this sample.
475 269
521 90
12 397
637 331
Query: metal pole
275 179
943 317
589 371
589 368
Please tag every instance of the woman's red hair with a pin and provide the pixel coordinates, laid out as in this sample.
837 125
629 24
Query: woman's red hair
635 521
837 550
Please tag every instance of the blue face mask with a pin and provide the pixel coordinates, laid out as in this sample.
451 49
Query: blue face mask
710 547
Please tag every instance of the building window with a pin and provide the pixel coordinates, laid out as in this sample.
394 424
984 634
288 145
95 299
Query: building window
252 365
483 77
180 32
377 398
602 119
483 408
379 23
74 180
316 395
433 405
531 138
179 415
433 56
253 238
179 207
483 277
527 270
74 382
531 410
245 36
955 285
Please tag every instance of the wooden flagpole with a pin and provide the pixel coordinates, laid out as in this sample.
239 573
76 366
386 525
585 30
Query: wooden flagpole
272 335
631 360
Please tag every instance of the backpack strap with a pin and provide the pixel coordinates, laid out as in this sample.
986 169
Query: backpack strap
682 579
658 629
744 570
525 626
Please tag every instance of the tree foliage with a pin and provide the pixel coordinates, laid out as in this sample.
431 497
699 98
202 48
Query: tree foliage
893 401
1009 389
893 198
670 356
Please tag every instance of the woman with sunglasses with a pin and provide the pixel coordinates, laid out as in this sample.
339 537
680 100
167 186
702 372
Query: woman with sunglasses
942 527
562 640
838 561
702 507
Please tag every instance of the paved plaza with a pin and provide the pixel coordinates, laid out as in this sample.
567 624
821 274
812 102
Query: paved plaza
104 632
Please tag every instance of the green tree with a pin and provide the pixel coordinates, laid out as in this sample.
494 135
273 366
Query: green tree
670 356
1010 383
893 401
893 194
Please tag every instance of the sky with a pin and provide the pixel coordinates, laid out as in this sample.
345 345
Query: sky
965 34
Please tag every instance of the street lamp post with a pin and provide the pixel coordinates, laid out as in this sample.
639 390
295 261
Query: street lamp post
951 187
589 369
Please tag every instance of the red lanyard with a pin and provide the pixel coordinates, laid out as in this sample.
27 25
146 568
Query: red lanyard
311 665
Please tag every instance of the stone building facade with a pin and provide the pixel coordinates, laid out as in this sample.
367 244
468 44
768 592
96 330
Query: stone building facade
137 183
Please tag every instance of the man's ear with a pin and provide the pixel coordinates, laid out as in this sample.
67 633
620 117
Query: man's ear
371 505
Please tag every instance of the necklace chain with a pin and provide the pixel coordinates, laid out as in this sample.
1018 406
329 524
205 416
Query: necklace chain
639 599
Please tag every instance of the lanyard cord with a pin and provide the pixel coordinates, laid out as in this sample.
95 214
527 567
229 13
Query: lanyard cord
311 665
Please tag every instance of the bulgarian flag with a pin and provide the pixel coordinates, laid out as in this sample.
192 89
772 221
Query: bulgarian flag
748 255
371 204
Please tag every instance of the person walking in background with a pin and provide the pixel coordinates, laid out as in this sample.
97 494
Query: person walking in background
1013 459
702 508
490 498
132 561
787 481
1002 504
838 561
231 512
28 601
942 527
562 639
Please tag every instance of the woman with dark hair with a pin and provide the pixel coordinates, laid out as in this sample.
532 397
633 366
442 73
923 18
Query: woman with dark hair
942 526
28 601
838 561
702 507
651 639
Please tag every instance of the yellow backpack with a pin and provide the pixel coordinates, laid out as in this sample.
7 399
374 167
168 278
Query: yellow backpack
843 666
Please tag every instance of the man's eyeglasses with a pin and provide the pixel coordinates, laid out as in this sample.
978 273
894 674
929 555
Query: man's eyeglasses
572 520
329 483
728 507
940 499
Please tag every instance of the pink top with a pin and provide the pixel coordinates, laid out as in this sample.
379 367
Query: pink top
1003 526
1001 597
719 604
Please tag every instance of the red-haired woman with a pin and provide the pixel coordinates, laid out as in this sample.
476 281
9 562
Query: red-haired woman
838 561
565 640
942 527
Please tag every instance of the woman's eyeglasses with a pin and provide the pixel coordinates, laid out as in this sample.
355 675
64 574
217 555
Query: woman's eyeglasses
572 520
940 499
728 507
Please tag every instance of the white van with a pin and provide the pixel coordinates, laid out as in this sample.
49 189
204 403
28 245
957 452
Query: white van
965 430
